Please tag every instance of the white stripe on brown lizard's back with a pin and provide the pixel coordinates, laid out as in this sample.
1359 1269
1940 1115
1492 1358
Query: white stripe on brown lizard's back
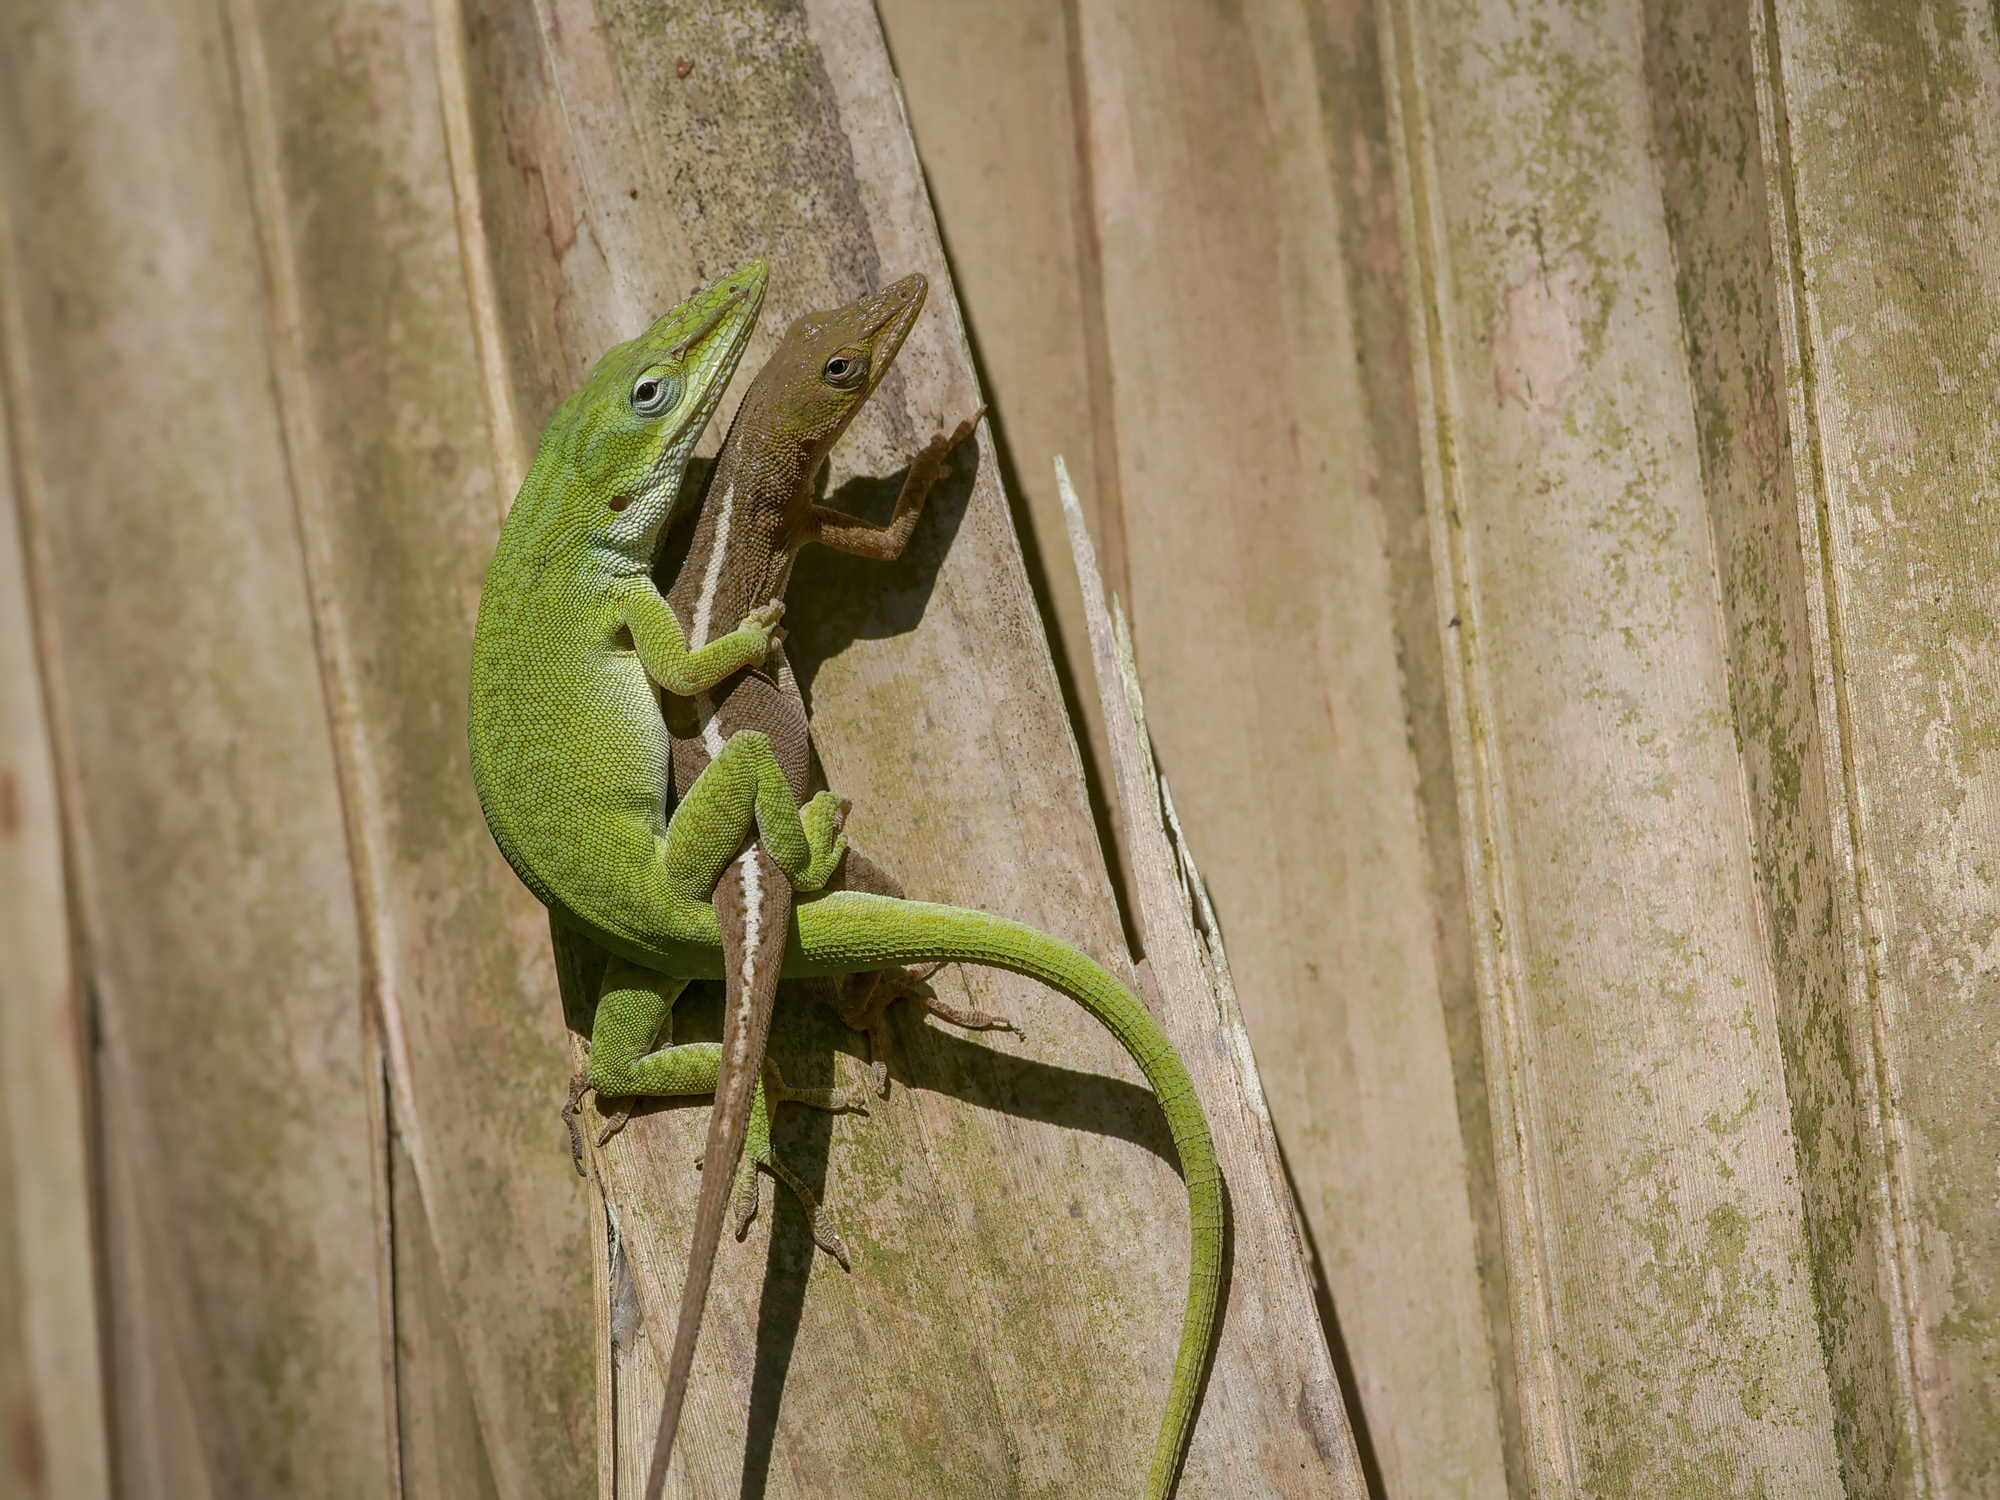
753 912
711 577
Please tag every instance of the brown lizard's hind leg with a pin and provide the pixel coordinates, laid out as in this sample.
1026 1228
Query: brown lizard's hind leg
863 1001
573 1106
614 1122
747 1191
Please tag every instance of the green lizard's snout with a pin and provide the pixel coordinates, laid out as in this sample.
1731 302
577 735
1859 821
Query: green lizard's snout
617 447
720 315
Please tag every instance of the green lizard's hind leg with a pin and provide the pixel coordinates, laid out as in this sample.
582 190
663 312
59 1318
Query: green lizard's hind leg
634 1008
745 782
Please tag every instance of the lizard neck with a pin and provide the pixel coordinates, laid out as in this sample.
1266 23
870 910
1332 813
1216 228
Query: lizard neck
741 553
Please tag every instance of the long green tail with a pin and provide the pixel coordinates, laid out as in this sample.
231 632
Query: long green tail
846 932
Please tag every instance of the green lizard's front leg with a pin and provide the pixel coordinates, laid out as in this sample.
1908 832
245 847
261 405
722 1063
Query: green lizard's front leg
632 1054
662 648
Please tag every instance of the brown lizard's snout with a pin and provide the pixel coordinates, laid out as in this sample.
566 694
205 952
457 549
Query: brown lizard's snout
885 318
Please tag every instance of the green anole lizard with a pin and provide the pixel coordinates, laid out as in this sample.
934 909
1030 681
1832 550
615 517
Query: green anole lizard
570 754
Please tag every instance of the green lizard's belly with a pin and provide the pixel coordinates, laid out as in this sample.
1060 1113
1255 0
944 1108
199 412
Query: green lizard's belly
571 761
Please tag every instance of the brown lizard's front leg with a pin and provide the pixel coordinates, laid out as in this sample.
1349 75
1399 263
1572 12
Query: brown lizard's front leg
845 533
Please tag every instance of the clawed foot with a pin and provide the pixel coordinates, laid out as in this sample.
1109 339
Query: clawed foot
572 1111
616 1121
578 1082
822 819
748 1194
747 1191
764 619
863 1001
944 443
963 430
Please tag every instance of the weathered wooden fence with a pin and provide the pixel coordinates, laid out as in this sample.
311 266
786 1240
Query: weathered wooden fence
1548 455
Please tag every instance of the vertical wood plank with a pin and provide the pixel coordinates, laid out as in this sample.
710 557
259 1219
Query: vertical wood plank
390 452
52 1433
443 1450
1183 118
1882 156
1714 144
209 859
1664 1327
1263 600
995 106
21 1441
639 1385
158 1443
23 1446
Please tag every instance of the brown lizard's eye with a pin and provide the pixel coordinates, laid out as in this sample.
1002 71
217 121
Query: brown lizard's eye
845 371
619 502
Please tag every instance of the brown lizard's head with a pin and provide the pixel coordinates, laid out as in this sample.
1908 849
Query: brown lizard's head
829 363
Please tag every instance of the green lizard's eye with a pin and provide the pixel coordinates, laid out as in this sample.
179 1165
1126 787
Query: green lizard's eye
846 370
653 394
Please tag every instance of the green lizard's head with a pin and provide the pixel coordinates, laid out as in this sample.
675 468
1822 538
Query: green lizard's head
829 363
625 436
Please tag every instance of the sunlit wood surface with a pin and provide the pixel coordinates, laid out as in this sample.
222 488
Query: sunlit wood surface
1546 457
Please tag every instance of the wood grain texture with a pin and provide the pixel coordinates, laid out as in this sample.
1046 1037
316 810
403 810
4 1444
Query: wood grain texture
994 96
394 473
1264 604
1657 1250
1724 210
52 1434
1882 160
208 858
443 1447
21 1441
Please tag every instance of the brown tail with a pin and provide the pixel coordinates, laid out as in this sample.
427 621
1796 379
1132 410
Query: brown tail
753 907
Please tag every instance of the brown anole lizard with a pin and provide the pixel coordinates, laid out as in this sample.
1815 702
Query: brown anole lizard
758 513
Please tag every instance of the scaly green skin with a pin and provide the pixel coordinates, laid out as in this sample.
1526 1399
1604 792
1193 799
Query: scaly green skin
571 755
